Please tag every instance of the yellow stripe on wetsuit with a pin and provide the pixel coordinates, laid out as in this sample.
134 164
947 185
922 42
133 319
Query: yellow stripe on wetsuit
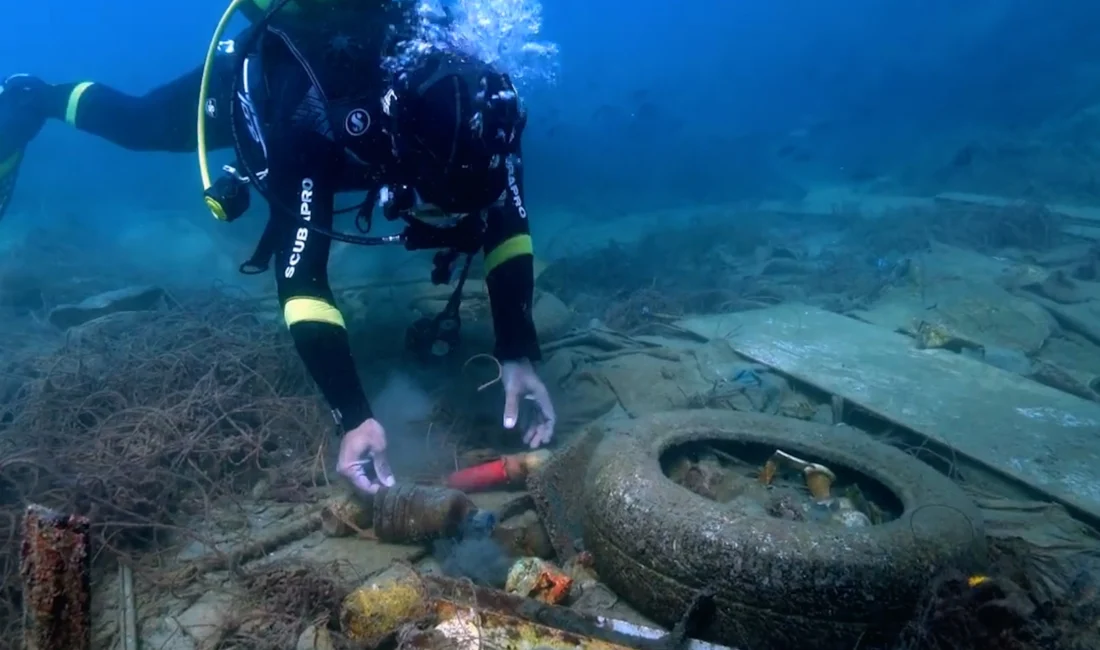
311 310
74 102
510 248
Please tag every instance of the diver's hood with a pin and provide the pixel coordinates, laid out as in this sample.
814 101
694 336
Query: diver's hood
454 119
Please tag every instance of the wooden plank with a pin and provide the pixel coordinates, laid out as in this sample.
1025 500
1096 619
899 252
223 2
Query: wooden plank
1030 432
1081 220
1084 213
842 202
982 200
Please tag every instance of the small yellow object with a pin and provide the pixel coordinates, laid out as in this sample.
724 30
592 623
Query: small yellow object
819 479
976 580
378 609
767 474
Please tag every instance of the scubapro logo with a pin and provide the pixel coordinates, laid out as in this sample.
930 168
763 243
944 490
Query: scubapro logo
305 212
513 186
357 122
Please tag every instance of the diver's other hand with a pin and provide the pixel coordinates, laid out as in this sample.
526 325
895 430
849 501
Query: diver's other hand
521 381
23 111
362 457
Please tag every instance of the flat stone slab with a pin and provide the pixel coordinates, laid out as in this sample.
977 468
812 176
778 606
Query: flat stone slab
1040 436
1081 220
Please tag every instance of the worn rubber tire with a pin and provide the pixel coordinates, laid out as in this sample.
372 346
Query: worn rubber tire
777 584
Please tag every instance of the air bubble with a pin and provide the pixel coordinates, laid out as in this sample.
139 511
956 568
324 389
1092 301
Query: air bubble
504 33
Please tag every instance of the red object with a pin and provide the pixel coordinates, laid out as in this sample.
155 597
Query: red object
480 477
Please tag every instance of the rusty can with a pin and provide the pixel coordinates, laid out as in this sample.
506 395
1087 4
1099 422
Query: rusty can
538 579
408 514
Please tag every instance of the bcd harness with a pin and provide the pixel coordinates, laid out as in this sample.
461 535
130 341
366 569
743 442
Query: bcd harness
451 236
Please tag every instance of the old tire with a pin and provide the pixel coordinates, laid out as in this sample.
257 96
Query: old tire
776 583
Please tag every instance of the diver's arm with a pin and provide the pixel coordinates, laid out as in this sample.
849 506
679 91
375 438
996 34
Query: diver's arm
302 178
510 270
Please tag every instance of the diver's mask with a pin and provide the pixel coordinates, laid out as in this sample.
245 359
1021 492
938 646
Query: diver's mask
453 121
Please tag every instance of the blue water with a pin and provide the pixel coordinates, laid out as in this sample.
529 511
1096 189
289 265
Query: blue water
653 104
504 33
644 117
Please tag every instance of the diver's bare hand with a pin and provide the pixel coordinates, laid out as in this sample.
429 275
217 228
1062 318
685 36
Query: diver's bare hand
363 449
521 381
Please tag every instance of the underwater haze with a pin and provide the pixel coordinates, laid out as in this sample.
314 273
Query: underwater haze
653 105
786 336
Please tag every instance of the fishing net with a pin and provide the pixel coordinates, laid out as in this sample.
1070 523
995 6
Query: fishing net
148 422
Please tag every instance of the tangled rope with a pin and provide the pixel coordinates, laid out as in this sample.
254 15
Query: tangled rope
145 421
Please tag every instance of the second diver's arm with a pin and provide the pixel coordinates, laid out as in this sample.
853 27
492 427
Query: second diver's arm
162 119
510 270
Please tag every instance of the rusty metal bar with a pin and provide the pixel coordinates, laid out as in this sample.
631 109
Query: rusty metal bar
55 566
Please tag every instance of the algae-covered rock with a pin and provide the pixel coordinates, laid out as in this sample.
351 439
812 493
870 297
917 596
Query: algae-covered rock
962 313
375 611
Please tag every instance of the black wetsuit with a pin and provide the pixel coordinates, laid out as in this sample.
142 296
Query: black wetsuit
323 133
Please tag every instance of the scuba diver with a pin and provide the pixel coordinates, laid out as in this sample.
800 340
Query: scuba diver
310 110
